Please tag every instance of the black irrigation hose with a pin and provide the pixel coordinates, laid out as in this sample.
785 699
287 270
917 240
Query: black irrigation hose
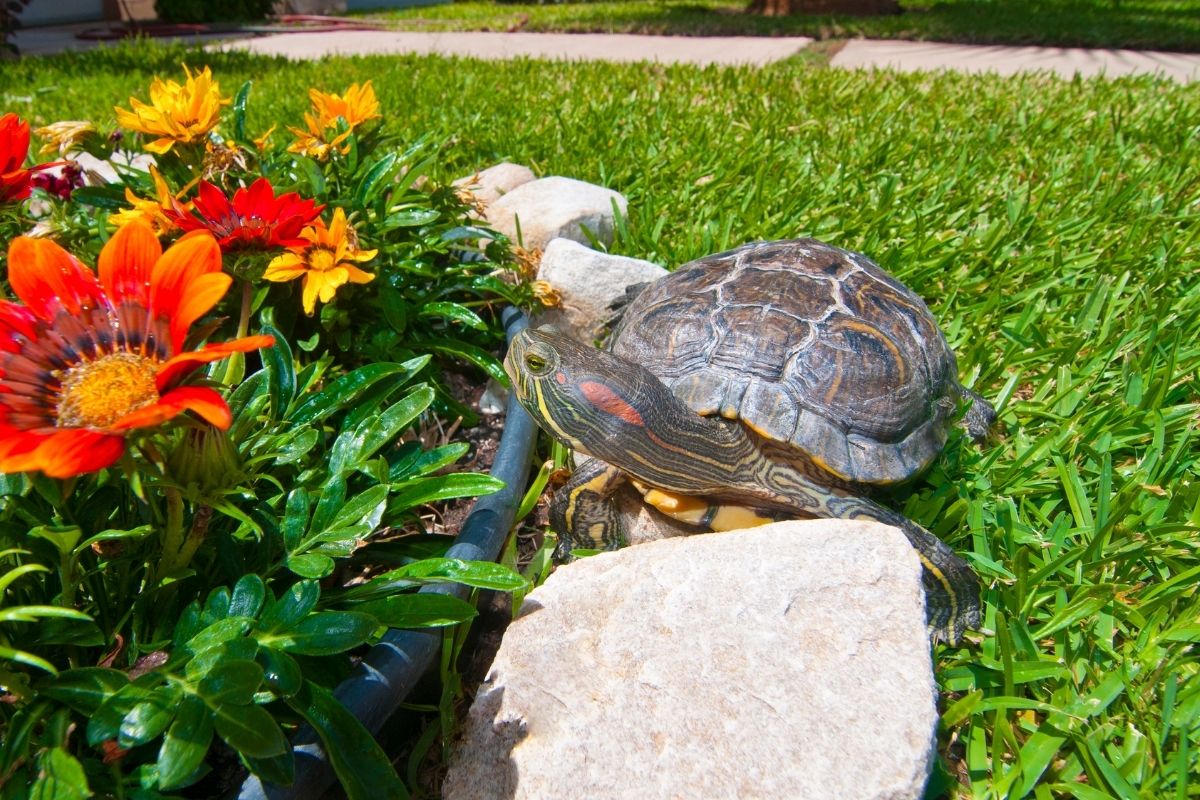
391 668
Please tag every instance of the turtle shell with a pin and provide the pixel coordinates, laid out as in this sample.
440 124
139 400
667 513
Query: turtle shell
814 348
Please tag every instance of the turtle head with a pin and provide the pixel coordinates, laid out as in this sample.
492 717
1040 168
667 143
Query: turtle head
590 400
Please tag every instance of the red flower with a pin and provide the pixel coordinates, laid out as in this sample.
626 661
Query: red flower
14 147
256 218
84 359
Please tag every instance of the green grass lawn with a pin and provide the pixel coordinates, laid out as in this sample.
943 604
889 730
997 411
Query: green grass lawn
1054 228
1138 24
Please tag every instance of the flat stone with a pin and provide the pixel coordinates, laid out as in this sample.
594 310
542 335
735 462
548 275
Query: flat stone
491 184
786 661
554 207
588 282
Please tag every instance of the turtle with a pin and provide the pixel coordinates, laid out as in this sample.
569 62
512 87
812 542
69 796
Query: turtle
778 379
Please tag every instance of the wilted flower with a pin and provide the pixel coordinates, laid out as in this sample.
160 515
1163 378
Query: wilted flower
60 183
152 212
333 118
87 357
326 261
256 218
63 137
176 114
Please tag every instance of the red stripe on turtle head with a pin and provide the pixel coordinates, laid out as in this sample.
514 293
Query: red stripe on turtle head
611 403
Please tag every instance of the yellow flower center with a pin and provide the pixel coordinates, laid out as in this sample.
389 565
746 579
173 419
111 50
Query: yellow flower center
321 258
95 394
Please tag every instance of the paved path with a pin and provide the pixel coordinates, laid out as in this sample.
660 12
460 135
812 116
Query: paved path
857 53
571 46
1067 62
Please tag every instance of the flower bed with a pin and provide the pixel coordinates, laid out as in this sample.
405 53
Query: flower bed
212 386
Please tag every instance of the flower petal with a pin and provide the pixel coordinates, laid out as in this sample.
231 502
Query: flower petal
47 278
207 403
127 262
173 281
62 454
176 368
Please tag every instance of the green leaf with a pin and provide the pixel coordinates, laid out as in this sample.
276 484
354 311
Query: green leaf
418 462
476 574
60 777
185 745
467 352
333 499
454 312
239 112
363 769
310 565
280 671
292 606
295 519
250 730
83 688
248 595
418 610
364 511
352 449
105 723
343 391
149 718
374 179
281 372
111 535
325 633
219 632
395 309
63 537
34 613
411 218
418 491
110 197
231 683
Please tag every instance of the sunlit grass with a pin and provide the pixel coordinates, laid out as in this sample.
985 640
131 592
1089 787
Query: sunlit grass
1139 24
1054 228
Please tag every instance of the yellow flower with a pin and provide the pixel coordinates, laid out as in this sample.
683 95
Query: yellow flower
176 114
325 263
262 141
150 211
329 112
356 107
63 136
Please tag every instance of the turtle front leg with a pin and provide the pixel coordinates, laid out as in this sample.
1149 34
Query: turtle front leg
584 512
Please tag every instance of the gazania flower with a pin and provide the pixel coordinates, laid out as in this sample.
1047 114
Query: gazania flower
15 180
176 114
85 358
256 218
326 261
152 212
325 131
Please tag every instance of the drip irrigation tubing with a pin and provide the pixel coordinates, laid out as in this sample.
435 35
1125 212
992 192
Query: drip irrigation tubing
284 23
391 668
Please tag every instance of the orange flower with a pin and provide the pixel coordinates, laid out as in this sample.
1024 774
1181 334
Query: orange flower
156 212
329 111
325 262
88 356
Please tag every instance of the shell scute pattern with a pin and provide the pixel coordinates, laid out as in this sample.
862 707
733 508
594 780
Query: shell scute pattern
814 348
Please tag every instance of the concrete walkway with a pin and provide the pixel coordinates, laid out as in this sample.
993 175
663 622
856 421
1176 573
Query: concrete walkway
858 53
621 47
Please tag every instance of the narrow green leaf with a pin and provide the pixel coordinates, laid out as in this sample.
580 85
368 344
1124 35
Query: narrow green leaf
343 391
325 633
418 610
418 491
281 372
248 595
363 769
453 312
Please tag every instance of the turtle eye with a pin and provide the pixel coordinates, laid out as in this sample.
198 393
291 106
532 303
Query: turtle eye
535 363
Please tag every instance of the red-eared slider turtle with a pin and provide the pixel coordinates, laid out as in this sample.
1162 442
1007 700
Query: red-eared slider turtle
778 379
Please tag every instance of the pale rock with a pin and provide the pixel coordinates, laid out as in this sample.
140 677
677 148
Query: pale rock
491 184
787 661
588 283
554 207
